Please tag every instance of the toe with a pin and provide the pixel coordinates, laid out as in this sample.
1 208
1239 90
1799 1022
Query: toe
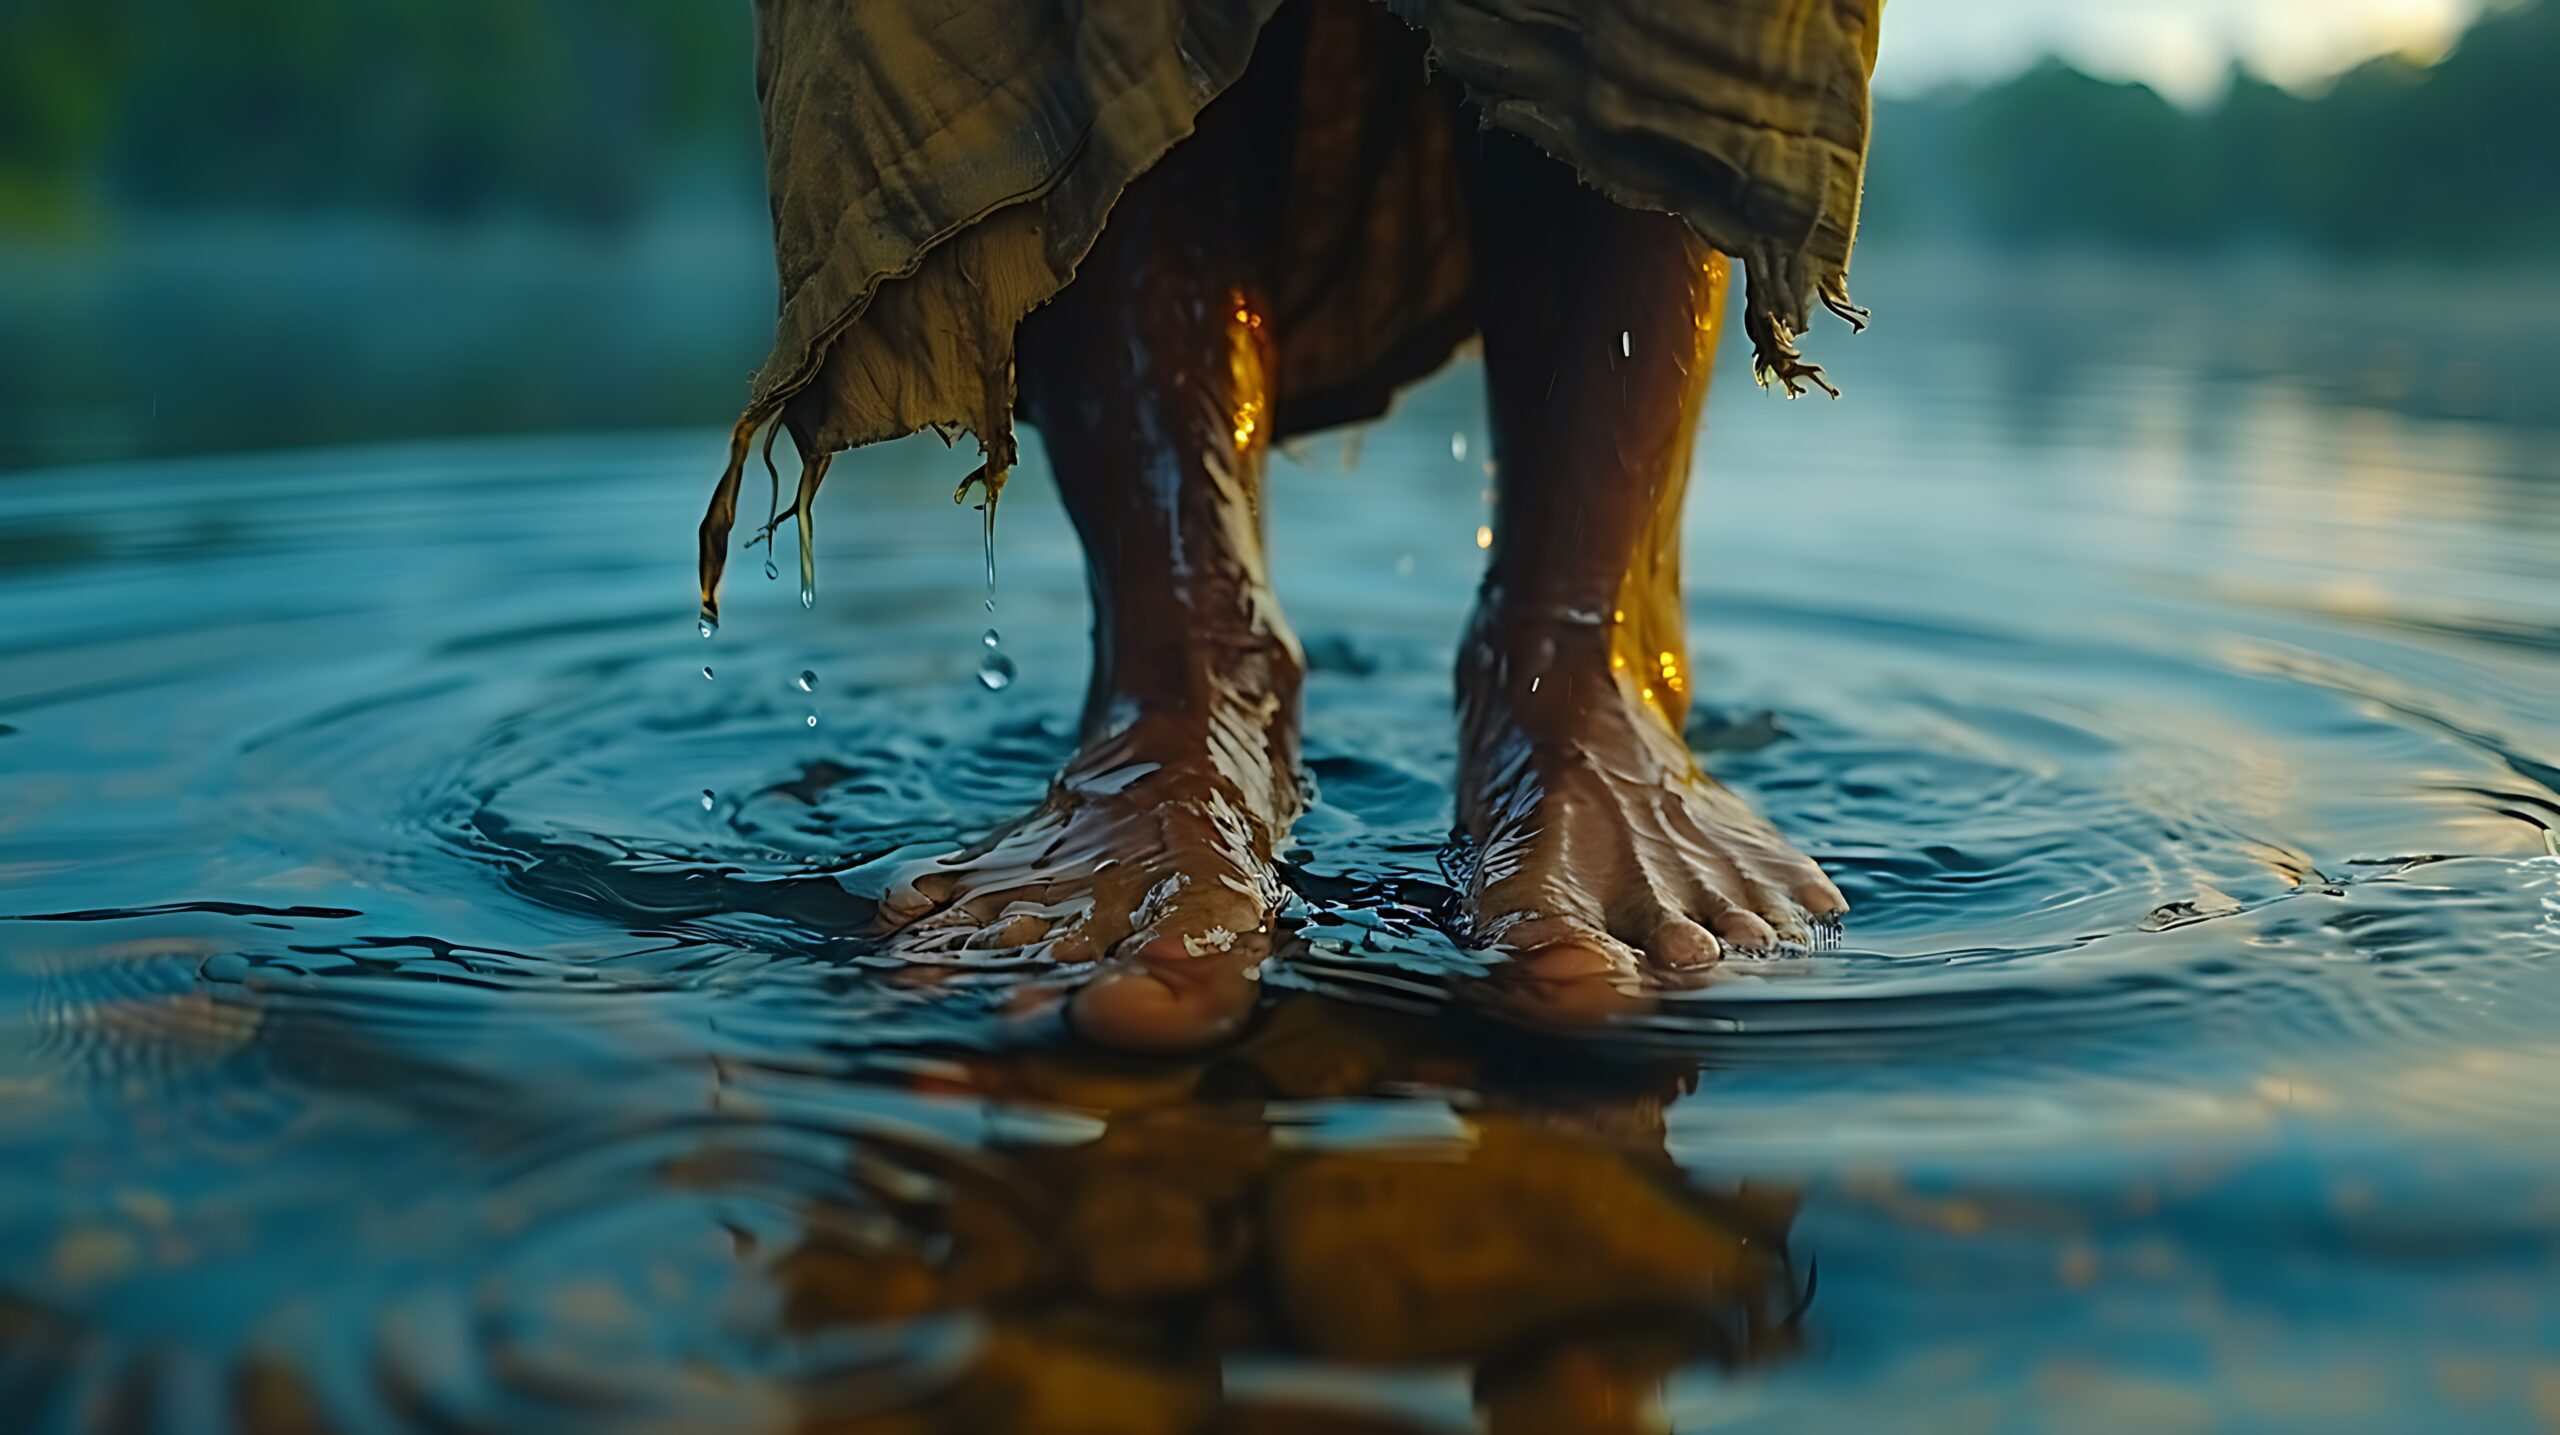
1008 932
919 891
1155 1004
1075 946
967 915
1748 931
1816 893
1204 918
1562 970
1573 983
1679 942
1527 936
1186 979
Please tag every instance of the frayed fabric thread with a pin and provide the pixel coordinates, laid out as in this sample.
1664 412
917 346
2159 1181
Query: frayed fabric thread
1777 306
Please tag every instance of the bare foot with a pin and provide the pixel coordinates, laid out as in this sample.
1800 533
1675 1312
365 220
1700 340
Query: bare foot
1151 857
1600 851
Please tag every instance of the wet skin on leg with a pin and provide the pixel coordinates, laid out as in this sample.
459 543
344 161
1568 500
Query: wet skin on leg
1149 379
1602 851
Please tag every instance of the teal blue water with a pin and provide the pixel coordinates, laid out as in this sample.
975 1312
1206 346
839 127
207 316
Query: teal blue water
427 999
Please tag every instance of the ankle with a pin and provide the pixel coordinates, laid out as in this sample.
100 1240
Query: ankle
1176 650
1545 604
1507 638
1178 668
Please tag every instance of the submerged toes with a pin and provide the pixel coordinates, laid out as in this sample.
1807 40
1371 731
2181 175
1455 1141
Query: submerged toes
1679 942
1009 931
1170 990
1174 948
1750 931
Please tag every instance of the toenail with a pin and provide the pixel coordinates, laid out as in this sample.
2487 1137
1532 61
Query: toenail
1685 944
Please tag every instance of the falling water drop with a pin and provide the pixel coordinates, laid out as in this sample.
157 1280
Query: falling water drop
1458 446
989 509
706 799
1626 344
813 719
995 670
771 571
706 672
808 681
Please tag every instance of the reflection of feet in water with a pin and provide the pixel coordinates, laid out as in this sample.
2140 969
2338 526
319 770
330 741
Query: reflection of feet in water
1598 849
1131 1276
1152 855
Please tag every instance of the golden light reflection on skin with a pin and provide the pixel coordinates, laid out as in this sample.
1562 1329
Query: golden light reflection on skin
1149 864
1601 859
1248 364
1650 633
1542 1245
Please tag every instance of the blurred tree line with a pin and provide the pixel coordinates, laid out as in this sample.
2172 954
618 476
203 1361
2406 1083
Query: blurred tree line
579 110
2453 158
593 111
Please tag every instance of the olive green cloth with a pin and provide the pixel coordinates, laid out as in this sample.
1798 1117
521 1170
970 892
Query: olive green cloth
938 168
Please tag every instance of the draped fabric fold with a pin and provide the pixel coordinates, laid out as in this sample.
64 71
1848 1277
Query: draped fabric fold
938 168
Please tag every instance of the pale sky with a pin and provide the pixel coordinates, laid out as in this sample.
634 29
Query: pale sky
2181 47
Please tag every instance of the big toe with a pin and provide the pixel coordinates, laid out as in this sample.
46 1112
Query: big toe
1186 981
1153 1002
1558 971
1679 942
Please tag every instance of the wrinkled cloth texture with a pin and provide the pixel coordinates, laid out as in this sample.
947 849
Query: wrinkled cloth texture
938 168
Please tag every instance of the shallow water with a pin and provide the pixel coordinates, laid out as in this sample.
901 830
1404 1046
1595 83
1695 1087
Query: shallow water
424 1003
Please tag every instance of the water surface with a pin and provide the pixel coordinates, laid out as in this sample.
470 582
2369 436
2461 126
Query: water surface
426 999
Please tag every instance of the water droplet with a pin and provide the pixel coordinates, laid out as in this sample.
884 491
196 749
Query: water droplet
1484 535
1626 344
989 509
771 572
1458 446
706 672
995 670
706 799
813 719
707 623
808 681
808 592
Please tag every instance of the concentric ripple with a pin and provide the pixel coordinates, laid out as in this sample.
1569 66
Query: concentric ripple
432 996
